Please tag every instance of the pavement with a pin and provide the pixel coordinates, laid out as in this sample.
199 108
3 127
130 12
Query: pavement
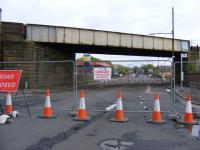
61 133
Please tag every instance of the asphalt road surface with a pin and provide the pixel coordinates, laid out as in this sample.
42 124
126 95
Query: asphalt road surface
62 133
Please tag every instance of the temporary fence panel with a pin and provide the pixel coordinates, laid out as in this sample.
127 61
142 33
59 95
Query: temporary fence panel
137 79
37 76
187 79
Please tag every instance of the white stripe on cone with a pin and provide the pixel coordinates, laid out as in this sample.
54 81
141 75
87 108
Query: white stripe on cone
8 99
82 103
188 107
47 102
157 105
119 104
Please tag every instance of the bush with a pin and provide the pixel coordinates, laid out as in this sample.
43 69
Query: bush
191 68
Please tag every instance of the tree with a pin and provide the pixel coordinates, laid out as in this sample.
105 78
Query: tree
135 69
121 69
148 67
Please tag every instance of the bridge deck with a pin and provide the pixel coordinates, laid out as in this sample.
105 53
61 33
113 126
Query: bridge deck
68 35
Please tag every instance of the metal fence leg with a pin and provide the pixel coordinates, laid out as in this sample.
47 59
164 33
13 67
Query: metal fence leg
26 103
1 108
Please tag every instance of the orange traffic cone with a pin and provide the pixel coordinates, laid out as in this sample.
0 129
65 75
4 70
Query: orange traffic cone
119 113
156 115
188 117
8 106
81 114
47 111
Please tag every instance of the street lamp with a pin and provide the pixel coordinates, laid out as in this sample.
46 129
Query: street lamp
173 57
172 33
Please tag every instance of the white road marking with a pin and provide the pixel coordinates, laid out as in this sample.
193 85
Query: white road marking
115 144
111 107
161 93
148 89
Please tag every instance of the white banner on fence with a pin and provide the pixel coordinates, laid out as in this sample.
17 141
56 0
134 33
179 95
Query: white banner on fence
102 73
184 55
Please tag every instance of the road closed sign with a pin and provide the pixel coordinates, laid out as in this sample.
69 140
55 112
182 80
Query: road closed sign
102 73
9 80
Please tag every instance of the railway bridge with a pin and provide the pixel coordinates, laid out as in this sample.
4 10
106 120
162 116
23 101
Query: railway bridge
34 42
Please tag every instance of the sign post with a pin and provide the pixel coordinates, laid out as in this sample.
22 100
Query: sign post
183 55
87 62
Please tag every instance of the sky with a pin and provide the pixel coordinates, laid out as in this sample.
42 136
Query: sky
129 16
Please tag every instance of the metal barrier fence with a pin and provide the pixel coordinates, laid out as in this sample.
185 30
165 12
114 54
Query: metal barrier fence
186 79
133 77
37 76
195 90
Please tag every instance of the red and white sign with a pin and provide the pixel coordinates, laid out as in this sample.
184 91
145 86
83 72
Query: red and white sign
9 80
102 73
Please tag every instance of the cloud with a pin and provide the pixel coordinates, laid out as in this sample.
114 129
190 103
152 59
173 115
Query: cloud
132 16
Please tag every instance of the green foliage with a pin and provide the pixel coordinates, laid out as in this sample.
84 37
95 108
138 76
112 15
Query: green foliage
122 69
190 68
92 59
147 67
135 69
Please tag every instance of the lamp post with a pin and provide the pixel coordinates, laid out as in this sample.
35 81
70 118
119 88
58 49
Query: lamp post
173 57
172 31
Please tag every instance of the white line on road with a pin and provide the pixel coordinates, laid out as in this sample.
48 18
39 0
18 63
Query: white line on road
148 89
111 106
162 93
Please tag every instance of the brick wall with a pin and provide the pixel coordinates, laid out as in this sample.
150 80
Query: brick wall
13 31
191 77
38 75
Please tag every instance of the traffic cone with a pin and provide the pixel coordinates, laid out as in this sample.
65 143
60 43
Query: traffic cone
188 116
47 111
81 114
119 113
156 115
8 106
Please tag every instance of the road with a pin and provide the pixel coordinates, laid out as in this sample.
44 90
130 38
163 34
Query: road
61 133
137 79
